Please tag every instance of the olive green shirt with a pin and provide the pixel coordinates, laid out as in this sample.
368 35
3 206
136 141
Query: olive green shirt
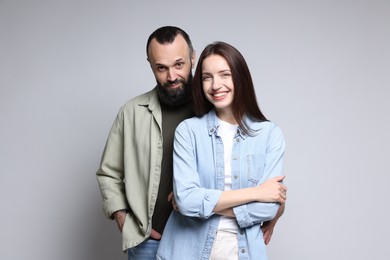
130 169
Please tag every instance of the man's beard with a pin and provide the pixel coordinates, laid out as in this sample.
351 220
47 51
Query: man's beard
177 96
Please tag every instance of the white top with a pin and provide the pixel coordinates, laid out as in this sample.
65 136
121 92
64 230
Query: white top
227 131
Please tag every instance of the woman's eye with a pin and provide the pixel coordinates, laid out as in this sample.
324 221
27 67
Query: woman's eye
205 77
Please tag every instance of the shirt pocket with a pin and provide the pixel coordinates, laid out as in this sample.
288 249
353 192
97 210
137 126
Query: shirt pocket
255 168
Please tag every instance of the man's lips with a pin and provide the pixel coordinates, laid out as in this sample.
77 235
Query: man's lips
174 85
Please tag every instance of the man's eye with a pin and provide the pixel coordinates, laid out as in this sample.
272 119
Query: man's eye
161 68
179 65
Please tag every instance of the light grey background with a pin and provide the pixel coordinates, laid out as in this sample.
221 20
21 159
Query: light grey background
321 70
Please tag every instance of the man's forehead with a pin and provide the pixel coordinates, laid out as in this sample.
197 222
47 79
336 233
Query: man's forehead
170 52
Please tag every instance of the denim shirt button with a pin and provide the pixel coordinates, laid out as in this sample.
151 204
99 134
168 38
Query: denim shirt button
243 251
237 140
235 177
212 130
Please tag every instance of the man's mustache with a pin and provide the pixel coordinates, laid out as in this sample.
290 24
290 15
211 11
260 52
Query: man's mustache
170 83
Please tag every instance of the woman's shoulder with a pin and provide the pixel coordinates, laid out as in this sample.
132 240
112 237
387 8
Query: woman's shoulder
263 124
193 125
266 128
193 121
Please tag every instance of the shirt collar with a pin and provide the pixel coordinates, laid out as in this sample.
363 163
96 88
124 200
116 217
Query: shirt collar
213 125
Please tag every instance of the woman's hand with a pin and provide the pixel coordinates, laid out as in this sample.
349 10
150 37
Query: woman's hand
272 190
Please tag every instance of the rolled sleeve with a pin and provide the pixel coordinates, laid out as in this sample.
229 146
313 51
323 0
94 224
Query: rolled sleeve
255 213
191 197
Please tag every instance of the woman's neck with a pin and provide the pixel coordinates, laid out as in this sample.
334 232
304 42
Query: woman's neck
226 115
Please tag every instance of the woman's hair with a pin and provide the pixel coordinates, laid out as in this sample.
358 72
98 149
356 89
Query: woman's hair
244 101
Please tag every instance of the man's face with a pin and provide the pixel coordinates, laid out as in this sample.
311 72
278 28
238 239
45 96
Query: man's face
171 65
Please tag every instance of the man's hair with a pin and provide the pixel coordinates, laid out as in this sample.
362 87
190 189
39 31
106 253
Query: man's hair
167 34
244 100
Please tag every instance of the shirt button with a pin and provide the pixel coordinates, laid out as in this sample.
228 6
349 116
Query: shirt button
212 130
235 177
237 140
242 232
243 251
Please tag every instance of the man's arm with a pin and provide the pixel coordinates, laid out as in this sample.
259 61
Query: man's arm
268 227
120 217
110 174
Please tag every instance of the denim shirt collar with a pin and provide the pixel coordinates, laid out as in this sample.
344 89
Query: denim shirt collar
213 125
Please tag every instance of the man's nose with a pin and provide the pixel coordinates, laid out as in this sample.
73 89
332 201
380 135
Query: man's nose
172 74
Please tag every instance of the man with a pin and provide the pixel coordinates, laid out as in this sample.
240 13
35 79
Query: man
135 175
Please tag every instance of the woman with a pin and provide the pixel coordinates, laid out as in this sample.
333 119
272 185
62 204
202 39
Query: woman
228 164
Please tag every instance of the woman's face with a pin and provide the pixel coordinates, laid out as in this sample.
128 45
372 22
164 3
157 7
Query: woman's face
218 84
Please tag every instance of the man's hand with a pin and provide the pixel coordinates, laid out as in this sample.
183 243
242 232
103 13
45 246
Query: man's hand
154 234
268 227
171 197
120 217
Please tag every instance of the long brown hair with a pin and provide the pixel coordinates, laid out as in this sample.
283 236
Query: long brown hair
244 101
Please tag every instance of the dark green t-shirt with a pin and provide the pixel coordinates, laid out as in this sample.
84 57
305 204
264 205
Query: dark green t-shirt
171 117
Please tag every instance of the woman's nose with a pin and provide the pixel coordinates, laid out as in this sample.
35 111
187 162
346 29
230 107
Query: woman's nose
215 84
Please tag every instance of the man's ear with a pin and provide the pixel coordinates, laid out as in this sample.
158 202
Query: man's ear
149 62
193 58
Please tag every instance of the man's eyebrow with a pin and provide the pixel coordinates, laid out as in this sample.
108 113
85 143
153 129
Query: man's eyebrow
176 61
179 60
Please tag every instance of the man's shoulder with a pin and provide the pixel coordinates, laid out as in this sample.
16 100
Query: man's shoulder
145 99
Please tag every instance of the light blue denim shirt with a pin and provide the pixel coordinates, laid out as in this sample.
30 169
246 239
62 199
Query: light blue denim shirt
199 181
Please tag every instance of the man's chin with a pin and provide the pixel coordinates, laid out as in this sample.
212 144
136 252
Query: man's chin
173 96
173 90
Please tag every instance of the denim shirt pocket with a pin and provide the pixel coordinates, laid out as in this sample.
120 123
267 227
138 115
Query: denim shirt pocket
255 168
